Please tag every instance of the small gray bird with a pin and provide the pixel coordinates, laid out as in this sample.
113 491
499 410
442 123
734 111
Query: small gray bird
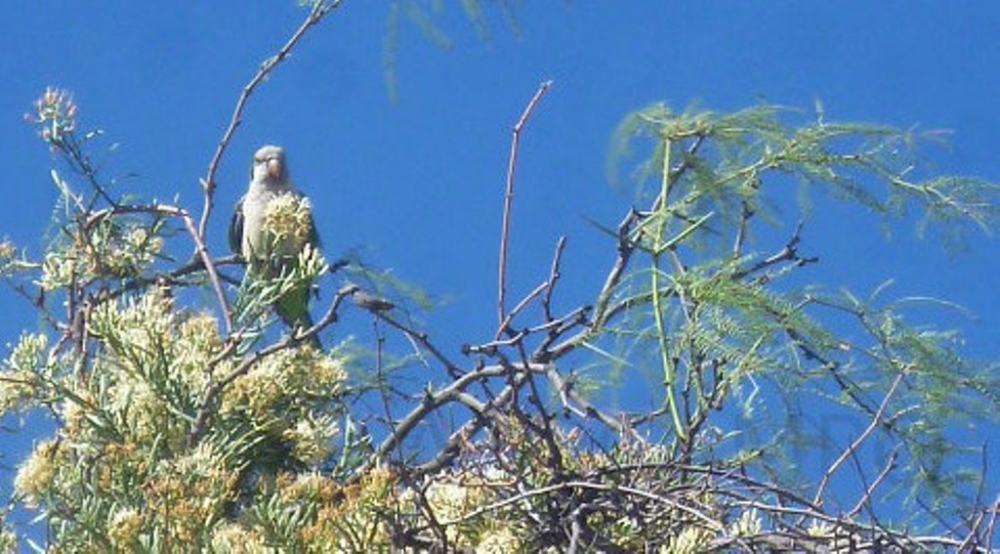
271 226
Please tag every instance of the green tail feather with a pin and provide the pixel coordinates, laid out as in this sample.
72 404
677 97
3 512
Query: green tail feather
293 309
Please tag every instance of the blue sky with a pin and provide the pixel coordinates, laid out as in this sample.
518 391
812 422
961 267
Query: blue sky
418 185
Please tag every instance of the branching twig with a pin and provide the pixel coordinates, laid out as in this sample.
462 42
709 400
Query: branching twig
711 523
568 396
504 327
991 527
789 253
423 340
202 252
555 330
432 401
746 213
509 197
870 491
876 421
625 249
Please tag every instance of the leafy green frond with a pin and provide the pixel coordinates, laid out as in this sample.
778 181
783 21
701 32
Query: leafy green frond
731 164
390 50
279 522
952 204
422 14
417 14
473 10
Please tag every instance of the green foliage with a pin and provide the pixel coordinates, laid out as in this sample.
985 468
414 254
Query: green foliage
424 16
722 318
165 435
724 161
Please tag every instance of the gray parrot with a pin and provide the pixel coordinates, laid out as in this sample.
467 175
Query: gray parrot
271 226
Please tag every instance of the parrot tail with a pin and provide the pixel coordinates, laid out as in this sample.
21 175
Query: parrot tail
293 309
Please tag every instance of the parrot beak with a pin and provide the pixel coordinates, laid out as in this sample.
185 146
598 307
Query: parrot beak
274 168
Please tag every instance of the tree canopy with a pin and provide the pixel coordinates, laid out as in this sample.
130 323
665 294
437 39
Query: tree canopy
187 418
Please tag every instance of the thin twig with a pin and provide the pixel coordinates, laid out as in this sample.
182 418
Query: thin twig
586 485
870 491
972 538
557 328
600 314
434 400
746 212
202 252
788 253
509 196
554 276
504 327
556 460
991 527
876 421
423 340
586 410
471 427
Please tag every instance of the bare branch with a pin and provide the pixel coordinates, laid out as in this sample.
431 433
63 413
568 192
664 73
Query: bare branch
504 327
746 213
509 197
876 421
870 491
200 249
991 527
554 276
433 400
423 340
711 523
601 313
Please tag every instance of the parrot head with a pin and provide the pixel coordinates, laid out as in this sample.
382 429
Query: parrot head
269 165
